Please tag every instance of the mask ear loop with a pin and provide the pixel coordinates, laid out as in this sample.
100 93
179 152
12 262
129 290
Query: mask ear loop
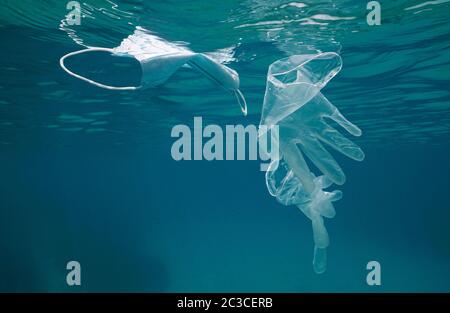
237 93
90 81
241 100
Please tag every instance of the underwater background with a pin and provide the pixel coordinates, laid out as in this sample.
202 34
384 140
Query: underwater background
86 174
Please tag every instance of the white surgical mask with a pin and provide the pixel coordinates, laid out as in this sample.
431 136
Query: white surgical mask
159 60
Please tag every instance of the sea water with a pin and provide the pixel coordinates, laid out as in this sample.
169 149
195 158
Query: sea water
87 174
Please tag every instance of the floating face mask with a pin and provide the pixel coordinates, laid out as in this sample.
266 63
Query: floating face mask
293 102
159 60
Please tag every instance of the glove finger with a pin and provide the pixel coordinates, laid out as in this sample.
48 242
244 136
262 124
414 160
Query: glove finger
323 160
340 143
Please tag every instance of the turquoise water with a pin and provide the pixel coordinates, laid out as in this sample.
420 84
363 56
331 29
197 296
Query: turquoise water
87 174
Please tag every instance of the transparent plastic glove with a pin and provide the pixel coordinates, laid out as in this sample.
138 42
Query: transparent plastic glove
293 102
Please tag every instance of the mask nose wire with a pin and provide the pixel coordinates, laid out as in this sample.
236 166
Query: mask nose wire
90 81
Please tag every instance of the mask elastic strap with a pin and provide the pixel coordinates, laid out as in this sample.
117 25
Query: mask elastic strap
90 81
237 93
241 100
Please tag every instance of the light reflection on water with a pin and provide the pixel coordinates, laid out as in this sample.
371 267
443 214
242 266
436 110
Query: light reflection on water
394 82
